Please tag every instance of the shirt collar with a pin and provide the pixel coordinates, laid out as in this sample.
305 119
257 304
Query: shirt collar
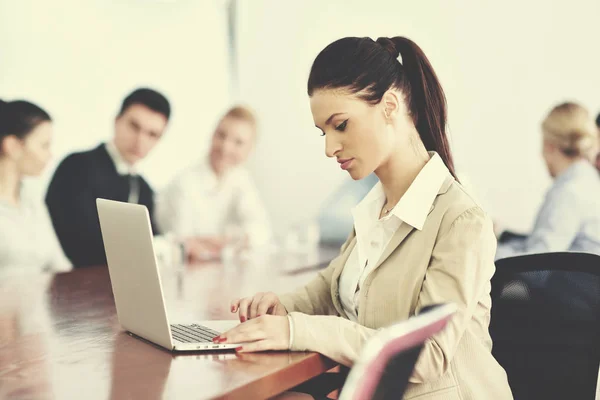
122 167
415 204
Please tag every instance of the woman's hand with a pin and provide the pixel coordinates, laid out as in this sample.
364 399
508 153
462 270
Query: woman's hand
261 304
267 332
203 248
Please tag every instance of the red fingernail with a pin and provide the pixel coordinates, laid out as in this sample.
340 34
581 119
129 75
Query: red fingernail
243 319
232 309
222 339
239 348
216 339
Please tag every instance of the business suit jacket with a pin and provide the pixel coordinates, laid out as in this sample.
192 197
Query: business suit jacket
71 199
450 260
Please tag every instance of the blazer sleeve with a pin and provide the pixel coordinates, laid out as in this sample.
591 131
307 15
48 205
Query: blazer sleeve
72 206
315 297
460 270
335 337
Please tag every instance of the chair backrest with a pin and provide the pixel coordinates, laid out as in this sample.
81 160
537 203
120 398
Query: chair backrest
545 324
389 357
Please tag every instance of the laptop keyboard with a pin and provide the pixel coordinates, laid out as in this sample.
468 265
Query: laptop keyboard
193 333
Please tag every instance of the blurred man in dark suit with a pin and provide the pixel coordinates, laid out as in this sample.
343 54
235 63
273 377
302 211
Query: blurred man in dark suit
108 171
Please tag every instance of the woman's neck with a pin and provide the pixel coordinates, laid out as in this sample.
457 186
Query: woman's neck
562 164
399 172
218 174
10 182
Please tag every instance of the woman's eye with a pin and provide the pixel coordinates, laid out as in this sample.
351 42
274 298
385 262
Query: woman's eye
341 127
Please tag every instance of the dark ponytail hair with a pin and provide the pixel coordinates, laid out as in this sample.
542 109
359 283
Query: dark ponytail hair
370 68
18 118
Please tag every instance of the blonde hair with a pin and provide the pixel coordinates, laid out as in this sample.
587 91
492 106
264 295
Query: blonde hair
570 127
242 113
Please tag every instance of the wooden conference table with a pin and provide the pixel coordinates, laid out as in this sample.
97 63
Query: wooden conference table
60 337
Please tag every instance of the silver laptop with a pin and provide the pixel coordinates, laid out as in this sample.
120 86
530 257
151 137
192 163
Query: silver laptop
135 279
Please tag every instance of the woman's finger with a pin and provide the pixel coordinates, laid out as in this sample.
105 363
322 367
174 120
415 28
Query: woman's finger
243 309
235 304
255 303
268 302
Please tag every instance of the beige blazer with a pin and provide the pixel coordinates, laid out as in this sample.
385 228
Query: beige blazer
450 260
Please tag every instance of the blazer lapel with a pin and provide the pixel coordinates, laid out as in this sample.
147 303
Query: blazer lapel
405 229
335 290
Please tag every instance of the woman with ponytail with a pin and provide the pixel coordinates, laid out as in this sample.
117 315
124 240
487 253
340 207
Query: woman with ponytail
27 239
419 238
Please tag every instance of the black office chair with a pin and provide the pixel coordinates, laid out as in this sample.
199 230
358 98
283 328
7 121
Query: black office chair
546 324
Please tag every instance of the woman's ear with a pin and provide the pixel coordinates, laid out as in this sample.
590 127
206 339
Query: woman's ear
11 146
391 104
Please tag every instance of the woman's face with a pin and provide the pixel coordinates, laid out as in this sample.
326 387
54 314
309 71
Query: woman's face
231 144
33 152
361 136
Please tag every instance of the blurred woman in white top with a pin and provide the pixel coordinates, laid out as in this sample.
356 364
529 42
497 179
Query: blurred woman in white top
27 239
216 199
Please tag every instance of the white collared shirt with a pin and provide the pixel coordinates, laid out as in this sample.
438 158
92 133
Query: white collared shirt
373 234
197 203
124 168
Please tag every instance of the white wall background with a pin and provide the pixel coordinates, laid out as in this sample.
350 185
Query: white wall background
503 66
79 59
